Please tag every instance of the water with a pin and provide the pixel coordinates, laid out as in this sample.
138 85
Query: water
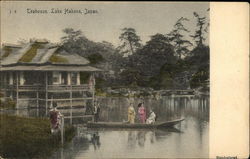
187 140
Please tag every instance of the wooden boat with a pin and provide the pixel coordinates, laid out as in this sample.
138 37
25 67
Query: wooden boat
133 126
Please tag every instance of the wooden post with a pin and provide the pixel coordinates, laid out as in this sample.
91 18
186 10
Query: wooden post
71 105
62 129
93 90
37 103
17 106
78 78
11 78
46 92
70 101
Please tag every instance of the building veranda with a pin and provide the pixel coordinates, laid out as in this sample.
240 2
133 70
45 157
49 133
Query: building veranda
38 73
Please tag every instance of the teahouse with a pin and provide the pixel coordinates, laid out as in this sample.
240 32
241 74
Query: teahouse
38 73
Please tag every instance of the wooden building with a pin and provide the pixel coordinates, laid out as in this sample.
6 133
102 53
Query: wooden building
38 73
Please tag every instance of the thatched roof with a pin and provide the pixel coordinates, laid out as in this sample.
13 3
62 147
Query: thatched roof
40 55
38 52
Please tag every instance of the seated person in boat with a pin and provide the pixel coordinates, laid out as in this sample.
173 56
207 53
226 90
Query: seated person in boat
152 117
131 114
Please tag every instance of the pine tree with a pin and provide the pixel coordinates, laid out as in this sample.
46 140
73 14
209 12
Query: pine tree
176 37
131 41
199 33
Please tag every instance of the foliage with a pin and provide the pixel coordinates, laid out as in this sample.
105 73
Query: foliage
1 94
7 103
58 59
199 62
177 38
199 79
23 137
130 40
100 82
31 53
165 61
161 81
84 77
131 77
199 33
154 55
95 58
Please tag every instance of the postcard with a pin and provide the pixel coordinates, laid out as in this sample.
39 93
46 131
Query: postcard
124 79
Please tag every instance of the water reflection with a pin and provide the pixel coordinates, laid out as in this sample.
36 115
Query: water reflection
131 140
95 140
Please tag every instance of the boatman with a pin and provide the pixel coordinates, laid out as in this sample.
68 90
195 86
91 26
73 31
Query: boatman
131 114
97 110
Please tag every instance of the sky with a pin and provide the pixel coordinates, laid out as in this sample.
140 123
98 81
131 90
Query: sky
147 18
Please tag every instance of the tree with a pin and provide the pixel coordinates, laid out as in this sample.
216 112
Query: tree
199 62
157 52
199 33
176 38
130 40
73 41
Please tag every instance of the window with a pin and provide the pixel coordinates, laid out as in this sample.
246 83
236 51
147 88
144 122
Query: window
56 78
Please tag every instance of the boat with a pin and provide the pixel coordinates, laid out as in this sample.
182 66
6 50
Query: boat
133 126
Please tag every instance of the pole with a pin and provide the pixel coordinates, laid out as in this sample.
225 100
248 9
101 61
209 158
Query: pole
93 90
17 106
46 92
70 101
37 103
62 129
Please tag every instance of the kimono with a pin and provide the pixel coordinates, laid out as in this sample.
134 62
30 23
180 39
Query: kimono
55 117
131 115
151 118
142 114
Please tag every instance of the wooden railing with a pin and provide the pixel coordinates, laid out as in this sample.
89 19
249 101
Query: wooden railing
49 87
68 87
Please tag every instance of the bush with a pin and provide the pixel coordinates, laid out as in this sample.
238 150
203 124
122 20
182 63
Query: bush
7 103
95 58
22 137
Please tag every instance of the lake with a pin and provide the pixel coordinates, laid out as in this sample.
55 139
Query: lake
189 139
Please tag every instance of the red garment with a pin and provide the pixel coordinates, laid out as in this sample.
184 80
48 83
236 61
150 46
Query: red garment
54 119
142 114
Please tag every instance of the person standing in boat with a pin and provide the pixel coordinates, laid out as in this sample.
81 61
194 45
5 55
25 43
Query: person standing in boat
142 113
131 114
152 117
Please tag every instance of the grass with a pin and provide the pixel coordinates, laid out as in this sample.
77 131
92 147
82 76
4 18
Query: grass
58 59
31 53
22 137
7 52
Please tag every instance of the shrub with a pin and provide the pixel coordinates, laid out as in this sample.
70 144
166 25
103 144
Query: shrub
7 103
22 137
